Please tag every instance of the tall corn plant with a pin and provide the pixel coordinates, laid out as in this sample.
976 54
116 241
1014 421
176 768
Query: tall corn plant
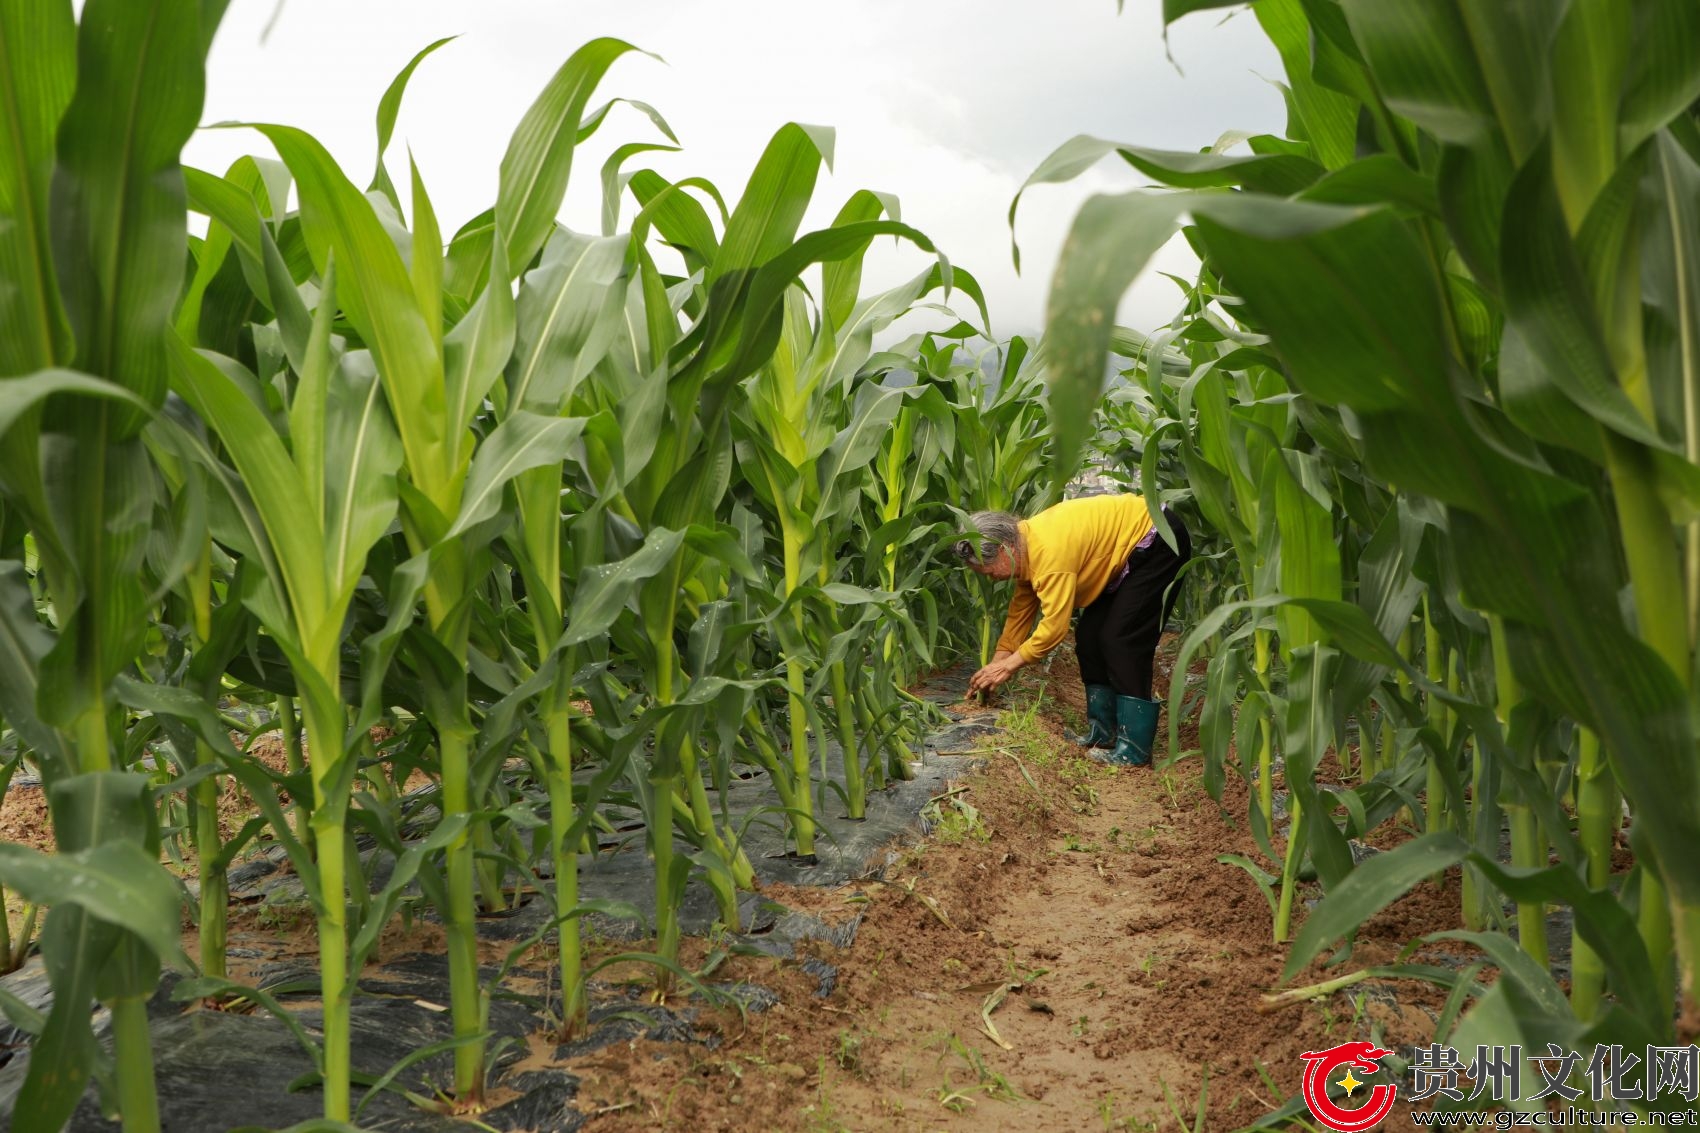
1481 250
92 246
811 430
744 318
435 381
322 497
563 309
1001 442
225 296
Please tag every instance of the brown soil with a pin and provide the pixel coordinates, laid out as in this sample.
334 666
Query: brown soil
23 817
1118 959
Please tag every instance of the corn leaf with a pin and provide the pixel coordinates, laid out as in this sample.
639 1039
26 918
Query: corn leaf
389 106
377 294
522 441
38 74
539 157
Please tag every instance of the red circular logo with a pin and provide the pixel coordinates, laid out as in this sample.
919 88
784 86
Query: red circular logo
1323 1063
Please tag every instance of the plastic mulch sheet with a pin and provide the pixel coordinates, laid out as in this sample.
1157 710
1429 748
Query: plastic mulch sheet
216 1071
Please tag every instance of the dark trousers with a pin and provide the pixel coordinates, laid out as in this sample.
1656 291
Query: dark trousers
1116 636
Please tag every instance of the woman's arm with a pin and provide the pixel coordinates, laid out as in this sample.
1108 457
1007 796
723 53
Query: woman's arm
1054 594
1023 612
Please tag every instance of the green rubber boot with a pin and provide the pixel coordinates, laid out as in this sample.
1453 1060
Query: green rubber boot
1136 730
1100 719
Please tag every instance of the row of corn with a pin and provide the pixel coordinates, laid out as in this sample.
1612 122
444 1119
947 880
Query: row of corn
573 524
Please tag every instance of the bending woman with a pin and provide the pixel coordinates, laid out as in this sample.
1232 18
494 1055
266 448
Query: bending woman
1102 554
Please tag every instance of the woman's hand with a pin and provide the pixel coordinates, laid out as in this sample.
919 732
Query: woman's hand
1003 667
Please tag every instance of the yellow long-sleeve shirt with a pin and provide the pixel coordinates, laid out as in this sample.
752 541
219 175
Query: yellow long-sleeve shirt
1073 550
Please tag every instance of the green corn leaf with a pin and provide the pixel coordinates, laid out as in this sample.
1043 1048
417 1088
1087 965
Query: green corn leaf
378 648
604 590
425 261
853 340
1377 180
1109 244
1310 556
466 269
1549 306
707 637
1663 76
362 456
105 883
24 641
74 944
522 441
682 222
614 182
20 395
1175 9
21 1015
593 121
188 718
539 157
115 882
1426 66
1388 591
745 319
1367 890
1325 118
38 74
206 987
407 867
101 500
377 294
853 449
1581 660
235 209
307 342
537 544
279 495
476 351
234 205
765 222
720 544
841 281
692 494
568 311
119 187
1307 732
1393 351
1670 255
389 106
1604 923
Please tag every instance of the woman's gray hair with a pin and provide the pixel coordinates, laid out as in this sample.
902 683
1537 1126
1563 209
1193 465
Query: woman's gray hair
998 529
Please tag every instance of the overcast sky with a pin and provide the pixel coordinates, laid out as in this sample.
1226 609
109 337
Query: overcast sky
948 104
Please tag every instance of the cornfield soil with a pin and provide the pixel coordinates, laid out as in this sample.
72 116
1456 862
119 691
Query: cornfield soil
1063 952
1075 910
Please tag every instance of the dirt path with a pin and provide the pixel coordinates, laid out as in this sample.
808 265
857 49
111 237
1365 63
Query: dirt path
1086 903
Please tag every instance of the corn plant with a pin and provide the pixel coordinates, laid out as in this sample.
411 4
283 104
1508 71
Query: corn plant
1478 258
97 113
812 430
1000 442
755 263
322 501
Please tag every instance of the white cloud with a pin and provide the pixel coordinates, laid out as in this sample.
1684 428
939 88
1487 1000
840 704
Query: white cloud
945 103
